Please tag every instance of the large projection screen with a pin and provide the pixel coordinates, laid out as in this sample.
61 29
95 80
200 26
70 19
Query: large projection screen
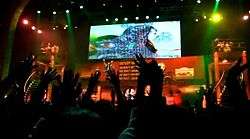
123 41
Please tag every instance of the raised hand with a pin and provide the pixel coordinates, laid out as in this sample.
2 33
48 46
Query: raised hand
45 79
234 92
93 80
150 74
24 68
113 78
71 87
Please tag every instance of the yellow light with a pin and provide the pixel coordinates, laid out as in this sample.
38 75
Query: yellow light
245 17
216 17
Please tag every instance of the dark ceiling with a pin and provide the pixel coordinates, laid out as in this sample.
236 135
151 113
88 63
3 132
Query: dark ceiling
96 10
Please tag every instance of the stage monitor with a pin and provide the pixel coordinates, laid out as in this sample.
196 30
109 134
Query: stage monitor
123 41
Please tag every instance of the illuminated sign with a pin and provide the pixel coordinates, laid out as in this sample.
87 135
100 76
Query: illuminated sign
184 73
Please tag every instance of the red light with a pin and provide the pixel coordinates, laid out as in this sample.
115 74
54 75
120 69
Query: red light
33 28
25 21
39 31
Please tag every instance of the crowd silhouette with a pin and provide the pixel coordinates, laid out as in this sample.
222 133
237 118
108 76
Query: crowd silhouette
73 114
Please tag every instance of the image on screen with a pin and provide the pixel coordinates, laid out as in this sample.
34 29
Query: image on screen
123 41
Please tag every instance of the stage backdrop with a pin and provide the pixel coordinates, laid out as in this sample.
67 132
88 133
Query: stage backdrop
184 75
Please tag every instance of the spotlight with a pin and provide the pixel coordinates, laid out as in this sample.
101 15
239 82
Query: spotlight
205 17
217 0
216 17
81 7
75 27
116 19
147 17
157 17
103 4
25 21
106 19
121 6
38 12
198 1
136 18
65 27
54 28
196 20
39 31
54 12
33 28
67 11
125 19
245 17
137 5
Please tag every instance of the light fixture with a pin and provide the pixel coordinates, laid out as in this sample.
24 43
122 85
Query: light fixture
54 12
245 17
106 19
38 11
67 11
116 19
136 18
216 17
198 1
125 19
81 7
157 17
39 31
147 17
33 28
25 21
205 17
196 20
